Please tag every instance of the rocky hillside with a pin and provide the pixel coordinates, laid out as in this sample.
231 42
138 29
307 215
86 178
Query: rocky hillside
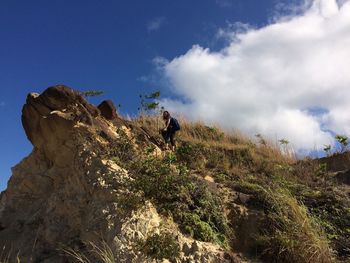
97 188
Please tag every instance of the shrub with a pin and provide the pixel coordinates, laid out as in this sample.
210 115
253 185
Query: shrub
161 246
201 230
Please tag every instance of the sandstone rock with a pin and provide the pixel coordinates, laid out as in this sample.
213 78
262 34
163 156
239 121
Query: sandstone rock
186 249
194 247
58 98
108 110
55 195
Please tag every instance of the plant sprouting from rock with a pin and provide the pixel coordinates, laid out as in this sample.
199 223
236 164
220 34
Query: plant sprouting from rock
343 141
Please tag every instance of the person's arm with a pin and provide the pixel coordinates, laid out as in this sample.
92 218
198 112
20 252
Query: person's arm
167 124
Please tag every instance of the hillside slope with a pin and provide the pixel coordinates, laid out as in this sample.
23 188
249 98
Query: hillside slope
96 186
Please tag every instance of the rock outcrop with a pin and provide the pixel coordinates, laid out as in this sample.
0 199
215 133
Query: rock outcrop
108 110
60 196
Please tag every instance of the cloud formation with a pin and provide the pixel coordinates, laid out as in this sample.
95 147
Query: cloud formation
155 24
289 79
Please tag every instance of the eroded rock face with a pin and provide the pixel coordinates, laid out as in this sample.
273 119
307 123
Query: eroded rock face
55 194
60 193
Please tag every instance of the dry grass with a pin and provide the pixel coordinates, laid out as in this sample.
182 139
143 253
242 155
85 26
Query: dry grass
192 131
296 235
213 150
103 253
6 256
214 136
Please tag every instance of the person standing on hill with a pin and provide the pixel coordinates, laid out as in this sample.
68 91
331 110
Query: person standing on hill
171 127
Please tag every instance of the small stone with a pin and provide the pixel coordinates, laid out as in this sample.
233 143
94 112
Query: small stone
186 249
195 247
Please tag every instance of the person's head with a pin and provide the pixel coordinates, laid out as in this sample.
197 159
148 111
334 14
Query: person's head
166 115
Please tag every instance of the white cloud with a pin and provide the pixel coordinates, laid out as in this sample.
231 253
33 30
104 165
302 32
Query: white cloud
155 24
289 79
160 62
232 29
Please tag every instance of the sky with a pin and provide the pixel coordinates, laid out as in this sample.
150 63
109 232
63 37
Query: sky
275 67
287 79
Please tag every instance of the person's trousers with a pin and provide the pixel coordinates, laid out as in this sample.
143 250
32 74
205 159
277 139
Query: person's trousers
169 136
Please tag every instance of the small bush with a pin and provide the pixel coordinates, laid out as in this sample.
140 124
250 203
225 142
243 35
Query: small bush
194 226
161 246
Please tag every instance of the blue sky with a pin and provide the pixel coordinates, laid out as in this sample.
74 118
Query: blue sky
281 58
107 45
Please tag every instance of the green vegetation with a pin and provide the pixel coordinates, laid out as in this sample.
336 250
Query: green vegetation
282 196
161 246
223 188
343 141
289 233
333 214
197 210
283 141
149 103
166 181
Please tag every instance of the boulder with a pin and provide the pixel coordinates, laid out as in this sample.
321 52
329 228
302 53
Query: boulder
108 110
